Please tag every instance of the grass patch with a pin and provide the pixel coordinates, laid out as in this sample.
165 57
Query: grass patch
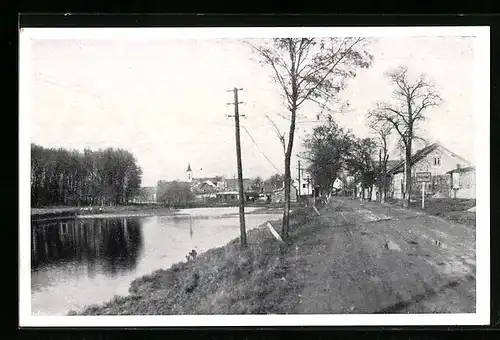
451 209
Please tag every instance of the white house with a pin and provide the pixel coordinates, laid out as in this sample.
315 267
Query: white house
463 182
304 186
435 159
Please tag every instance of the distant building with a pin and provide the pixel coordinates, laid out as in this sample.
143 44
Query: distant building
304 186
217 183
228 197
435 159
390 164
232 184
189 173
463 182
278 195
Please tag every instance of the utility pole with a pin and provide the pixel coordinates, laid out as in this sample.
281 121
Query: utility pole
243 234
298 168
380 185
309 198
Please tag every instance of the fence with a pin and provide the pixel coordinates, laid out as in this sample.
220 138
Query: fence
439 185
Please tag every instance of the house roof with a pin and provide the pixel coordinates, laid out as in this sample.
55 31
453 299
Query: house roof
466 169
206 179
419 155
233 182
392 163
189 168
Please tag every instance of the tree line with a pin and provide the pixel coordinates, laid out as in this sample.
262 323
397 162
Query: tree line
330 149
316 70
108 176
175 192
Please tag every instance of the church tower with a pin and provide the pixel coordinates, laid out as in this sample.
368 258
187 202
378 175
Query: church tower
189 173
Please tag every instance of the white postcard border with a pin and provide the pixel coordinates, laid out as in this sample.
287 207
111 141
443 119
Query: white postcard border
482 98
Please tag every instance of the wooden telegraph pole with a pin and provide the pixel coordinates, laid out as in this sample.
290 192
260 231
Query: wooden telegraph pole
243 234
298 168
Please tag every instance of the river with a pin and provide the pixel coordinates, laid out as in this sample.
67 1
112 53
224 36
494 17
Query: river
86 261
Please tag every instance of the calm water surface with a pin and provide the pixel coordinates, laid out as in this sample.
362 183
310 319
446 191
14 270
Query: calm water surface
88 261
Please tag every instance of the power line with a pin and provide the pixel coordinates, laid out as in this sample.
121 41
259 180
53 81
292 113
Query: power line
258 147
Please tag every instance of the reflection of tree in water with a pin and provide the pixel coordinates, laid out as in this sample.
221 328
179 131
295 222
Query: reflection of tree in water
121 245
113 244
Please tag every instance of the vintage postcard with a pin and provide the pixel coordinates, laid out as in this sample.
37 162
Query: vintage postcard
254 176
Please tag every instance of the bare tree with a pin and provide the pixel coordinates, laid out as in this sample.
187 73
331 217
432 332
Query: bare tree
383 130
281 135
310 69
411 98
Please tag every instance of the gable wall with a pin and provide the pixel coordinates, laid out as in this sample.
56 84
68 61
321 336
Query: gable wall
448 162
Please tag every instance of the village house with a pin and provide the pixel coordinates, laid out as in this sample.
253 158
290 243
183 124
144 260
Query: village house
375 190
304 187
228 197
217 188
435 159
205 190
232 184
278 195
463 182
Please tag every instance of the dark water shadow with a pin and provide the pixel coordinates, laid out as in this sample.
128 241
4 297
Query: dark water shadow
110 246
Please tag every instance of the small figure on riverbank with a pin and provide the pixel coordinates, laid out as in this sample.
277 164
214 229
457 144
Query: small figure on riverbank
191 256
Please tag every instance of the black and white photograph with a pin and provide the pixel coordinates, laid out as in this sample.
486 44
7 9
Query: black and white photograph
254 176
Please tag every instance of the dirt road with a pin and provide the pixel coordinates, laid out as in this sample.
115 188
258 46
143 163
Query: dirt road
371 258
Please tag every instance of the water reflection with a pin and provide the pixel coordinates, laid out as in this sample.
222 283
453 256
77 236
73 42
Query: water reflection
110 246
77 263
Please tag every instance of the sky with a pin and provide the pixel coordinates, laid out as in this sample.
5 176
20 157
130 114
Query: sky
165 101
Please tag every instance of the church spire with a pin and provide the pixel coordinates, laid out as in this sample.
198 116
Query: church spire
189 173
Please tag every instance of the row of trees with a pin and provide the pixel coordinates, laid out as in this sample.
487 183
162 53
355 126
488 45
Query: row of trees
71 177
316 70
309 70
404 112
330 150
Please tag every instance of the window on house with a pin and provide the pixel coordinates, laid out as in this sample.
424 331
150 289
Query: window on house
437 161
304 186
